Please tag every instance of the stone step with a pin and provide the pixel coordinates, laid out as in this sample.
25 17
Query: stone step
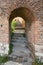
24 48
19 31
18 59
20 49
20 52
16 63
19 44
18 35
21 59
12 63
18 38
19 41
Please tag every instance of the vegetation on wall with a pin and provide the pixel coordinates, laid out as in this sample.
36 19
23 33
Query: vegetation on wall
13 25
3 59
10 48
37 62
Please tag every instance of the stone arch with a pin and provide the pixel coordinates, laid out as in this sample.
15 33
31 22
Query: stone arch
20 22
29 18
6 7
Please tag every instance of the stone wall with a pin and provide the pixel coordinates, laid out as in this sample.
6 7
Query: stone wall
4 35
39 40
36 34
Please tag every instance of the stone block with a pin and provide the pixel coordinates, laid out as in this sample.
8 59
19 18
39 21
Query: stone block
4 49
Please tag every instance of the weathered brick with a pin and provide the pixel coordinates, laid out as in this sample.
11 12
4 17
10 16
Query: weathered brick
32 12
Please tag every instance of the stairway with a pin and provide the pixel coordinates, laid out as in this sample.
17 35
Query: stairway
20 52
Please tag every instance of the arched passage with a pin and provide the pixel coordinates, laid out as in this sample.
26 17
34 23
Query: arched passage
18 25
20 22
34 29
29 18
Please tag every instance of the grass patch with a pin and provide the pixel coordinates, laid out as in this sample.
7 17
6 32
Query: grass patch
4 59
37 62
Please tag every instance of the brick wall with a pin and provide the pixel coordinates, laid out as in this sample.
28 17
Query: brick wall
34 32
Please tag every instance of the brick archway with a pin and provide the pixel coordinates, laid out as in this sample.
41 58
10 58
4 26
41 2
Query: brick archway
29 18
6 7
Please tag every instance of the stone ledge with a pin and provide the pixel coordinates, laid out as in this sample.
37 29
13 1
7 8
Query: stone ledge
39 54
39 48
12 63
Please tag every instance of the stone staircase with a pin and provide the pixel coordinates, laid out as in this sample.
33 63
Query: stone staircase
20 52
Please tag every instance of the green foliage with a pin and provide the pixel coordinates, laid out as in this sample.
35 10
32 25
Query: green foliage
37 62
13 25
3 59
10 48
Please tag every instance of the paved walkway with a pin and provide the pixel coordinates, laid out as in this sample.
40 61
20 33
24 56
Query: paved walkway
21 52
21 55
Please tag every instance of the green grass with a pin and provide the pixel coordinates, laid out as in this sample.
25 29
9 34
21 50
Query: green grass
37 62
4 59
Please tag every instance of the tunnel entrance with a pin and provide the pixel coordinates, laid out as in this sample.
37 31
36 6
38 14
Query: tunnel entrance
18 25
29 11
28 17
21 51
24 24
